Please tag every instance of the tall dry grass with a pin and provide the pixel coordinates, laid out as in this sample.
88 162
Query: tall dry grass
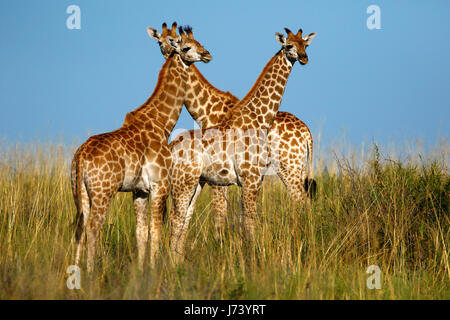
371 208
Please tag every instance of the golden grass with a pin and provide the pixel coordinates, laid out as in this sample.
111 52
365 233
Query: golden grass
394 214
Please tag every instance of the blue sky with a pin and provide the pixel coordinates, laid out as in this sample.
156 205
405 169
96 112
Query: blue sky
387 85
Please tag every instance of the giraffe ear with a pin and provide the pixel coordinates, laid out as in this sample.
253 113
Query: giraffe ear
153 33
280 38
174 42
309 38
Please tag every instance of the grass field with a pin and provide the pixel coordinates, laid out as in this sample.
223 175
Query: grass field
370 210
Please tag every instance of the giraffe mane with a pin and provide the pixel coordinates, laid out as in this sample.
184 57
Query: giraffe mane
131 116
250 94
210 86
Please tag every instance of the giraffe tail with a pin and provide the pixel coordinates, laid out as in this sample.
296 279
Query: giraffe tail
310 183
78 196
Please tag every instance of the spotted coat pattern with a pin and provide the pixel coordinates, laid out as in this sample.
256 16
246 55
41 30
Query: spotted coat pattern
212 156
290 140
134 158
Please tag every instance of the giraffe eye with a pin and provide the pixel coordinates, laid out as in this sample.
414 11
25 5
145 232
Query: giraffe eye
186 49
289 47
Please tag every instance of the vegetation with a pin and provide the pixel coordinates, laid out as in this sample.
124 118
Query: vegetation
369 211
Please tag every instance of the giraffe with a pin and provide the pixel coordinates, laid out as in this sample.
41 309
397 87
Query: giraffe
290 140
134 158
236 151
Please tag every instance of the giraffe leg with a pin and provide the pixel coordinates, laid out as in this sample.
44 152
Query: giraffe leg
293 178
219 201
184 208
160 192
190 212
95 223
171 213
140 200
250 189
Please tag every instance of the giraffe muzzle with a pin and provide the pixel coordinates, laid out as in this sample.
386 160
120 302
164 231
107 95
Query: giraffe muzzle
303 60
206 57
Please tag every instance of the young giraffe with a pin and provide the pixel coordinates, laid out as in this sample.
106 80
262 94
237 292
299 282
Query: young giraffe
134 158
290 140
234 152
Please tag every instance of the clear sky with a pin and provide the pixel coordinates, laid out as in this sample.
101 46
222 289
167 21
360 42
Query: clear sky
384 85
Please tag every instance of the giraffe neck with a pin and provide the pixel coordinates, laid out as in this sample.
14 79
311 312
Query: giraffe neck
164 106
207 105
260 106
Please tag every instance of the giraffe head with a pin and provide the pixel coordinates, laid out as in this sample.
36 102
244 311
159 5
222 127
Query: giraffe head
185 45
166 48
190 48
295 45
